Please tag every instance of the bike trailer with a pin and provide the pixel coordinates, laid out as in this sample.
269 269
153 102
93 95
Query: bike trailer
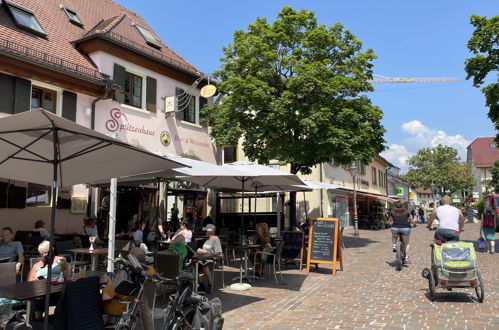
454 261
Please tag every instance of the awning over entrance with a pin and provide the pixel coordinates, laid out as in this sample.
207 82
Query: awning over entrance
385 198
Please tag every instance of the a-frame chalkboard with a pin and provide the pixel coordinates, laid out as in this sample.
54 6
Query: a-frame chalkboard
324 243
292 248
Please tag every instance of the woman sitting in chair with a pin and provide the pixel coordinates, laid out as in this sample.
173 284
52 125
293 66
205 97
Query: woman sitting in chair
40 271
262 238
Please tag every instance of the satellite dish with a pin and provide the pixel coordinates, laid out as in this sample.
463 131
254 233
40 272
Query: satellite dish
208 90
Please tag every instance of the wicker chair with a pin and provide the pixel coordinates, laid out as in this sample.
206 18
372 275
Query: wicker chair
8 273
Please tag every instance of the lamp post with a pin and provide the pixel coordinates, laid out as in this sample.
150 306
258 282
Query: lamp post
353 171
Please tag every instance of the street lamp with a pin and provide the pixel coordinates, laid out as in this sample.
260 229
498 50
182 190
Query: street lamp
353 171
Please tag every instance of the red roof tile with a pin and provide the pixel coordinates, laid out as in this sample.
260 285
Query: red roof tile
482 154
104 15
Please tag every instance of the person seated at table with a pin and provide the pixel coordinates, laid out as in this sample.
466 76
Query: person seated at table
129 233
138 236
113 303
179 248
40 227
90 229
212 248
261 238
9 249
184 230
40 271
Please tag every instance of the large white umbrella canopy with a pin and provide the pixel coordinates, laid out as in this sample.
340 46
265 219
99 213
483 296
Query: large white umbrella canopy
40 147
83 155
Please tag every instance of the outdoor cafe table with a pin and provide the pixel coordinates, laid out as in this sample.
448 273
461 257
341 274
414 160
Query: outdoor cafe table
36 289
93 255
245 248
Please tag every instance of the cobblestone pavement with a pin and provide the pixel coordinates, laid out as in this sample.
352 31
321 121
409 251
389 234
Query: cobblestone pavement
369 293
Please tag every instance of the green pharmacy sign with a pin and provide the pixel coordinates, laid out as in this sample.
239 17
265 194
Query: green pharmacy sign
399 191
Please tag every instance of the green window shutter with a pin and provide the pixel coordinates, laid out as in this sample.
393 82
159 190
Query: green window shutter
151 94
119 79
22 95
6 93
69 105
202 102
179 114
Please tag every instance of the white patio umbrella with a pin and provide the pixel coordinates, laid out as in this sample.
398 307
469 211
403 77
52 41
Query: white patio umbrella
40 147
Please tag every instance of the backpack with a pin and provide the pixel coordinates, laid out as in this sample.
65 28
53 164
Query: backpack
488 220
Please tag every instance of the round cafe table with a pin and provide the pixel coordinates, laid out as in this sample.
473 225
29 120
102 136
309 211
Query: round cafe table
240 286
93 255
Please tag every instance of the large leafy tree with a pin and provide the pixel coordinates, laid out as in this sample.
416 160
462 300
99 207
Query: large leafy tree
295 91
439 168
484 44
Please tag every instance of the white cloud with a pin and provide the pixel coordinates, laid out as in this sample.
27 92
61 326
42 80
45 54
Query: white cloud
422 136
397 155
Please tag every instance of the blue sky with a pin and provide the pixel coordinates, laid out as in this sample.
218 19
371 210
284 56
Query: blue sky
425 38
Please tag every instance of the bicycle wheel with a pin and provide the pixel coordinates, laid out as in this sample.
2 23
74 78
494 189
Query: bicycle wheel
185 321
479 289
400 254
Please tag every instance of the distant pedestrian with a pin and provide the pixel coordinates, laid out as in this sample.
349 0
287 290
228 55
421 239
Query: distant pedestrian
413 213
488 227
421 214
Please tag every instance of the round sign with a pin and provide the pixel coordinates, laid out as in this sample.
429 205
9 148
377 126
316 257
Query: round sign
208 91
165 138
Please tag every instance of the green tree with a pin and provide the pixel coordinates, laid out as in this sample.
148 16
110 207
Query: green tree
439 168
494 182
295 91
484 44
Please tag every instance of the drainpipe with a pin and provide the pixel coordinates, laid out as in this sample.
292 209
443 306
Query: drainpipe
107 88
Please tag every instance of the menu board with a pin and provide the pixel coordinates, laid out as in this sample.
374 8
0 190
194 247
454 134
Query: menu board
324 243
292 248
323 240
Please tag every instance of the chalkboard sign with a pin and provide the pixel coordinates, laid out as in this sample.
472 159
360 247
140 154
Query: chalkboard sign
323 240
292 248
324 243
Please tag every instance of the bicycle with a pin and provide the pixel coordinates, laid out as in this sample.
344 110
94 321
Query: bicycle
179 313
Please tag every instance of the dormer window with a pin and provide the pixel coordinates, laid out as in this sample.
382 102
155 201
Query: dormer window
149 38
493 145
72 15
24 18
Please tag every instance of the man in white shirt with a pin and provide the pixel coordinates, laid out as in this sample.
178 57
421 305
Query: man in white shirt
451 221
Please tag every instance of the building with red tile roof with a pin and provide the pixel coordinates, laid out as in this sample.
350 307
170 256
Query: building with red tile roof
482 154
103 66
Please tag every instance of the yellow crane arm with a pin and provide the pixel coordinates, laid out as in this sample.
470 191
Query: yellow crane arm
384 79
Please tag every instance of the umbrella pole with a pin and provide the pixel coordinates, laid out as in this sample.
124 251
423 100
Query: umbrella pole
305 204
256 198
55 141
112 224
243 179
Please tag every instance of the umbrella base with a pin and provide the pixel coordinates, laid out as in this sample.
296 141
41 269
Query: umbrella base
240 286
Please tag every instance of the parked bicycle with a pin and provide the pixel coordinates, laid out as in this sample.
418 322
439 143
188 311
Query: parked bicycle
141 287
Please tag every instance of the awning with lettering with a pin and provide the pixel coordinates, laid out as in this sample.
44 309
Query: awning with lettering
385 198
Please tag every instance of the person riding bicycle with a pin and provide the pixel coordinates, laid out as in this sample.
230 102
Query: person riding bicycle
451 221
401 225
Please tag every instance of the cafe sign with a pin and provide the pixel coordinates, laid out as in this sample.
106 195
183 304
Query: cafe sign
119 122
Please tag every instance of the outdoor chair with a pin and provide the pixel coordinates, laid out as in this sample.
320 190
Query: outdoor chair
7 273
270 258
79 307
167 265
218 263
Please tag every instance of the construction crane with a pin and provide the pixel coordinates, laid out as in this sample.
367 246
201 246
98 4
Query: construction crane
384 79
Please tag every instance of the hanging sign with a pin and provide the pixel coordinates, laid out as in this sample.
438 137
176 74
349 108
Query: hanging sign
208 91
